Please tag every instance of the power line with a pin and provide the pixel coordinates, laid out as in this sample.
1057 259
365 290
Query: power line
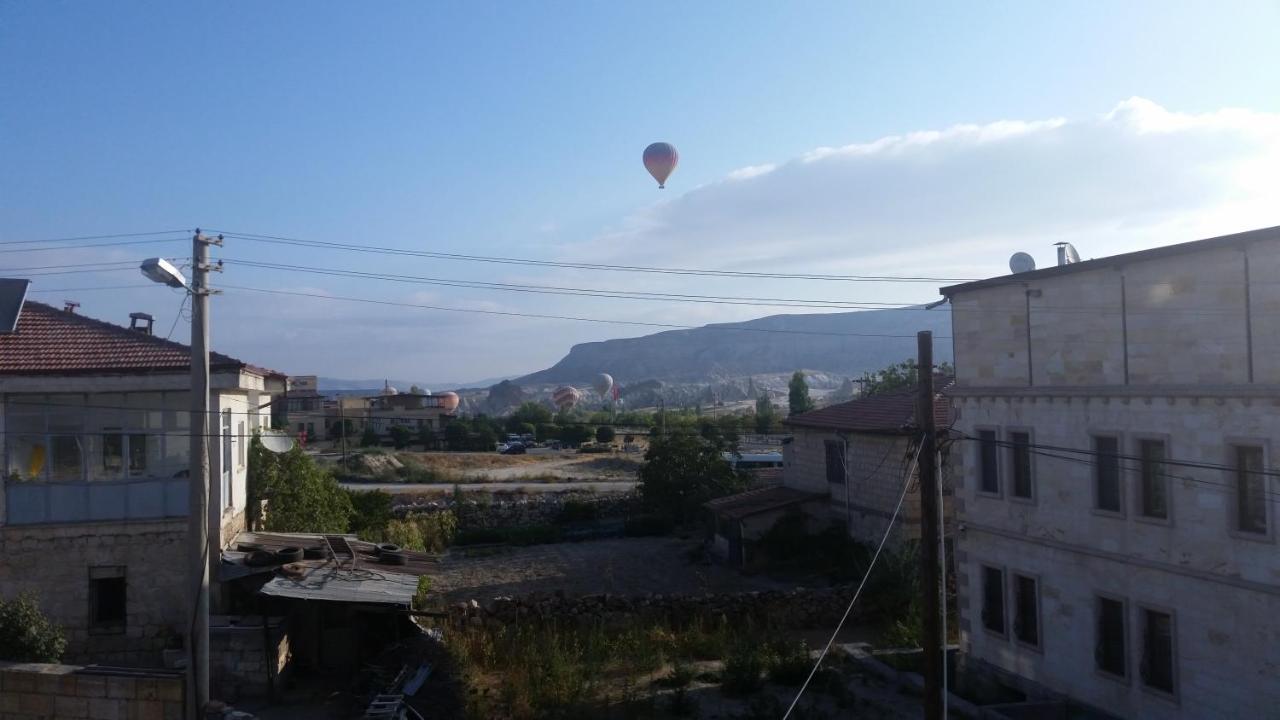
95 245
89 289
606 321
94 237
276 239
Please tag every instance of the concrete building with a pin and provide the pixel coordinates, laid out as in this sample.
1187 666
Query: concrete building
412 410
93 501
306 407
1117 536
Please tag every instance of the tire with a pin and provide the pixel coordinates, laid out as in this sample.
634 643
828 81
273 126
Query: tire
381 548
261 558
393 557
314 553
289 554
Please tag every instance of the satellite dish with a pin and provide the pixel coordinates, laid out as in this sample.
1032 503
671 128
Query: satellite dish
276 441
13 293
1067 253
1021 262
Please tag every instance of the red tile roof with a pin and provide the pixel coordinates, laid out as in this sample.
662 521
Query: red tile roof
49 341
891 412
754 502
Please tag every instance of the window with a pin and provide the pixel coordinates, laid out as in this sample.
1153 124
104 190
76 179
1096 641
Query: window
1157 650
1026 610
835 462
244 443
226 458
993 599
65 458
1020 464
113 452
1106 474
1109 652
137 454
116 446
1154 489
107 608
988 460
1251 494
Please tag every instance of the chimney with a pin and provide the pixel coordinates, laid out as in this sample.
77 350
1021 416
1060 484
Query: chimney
141 322
70 306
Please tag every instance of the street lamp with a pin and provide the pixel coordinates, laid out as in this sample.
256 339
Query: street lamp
200 554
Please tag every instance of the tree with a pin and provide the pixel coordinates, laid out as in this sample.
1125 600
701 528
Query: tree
605 434
426 438
302 497
532 413
900 376
455 435
26 635
766 415
575 435
798 398
546 431
370 437
371 511
401 436
682 471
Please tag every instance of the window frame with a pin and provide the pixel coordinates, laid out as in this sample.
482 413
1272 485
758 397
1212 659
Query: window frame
1009 458
1095 507
1140 628
843 445
1012 582
1127 677
983 567
102 574
1138 488
979 462
1233 445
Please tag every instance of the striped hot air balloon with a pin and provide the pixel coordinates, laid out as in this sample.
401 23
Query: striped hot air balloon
603 384
660 160
566 397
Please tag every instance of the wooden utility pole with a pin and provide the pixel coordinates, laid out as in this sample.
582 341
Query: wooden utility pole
931 572
342 431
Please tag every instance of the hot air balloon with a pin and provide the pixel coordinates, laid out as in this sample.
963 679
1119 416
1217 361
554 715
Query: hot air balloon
660 160
566 397
603 384
449 401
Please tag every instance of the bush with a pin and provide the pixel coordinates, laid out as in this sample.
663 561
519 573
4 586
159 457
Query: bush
743 667
26 635
790 663
605 434
302 496
401 436
681 472
647 525
371 511
421 597
574 435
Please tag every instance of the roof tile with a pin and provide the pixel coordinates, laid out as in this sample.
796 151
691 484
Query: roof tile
891 412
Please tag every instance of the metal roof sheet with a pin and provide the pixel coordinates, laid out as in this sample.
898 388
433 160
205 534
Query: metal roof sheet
324 580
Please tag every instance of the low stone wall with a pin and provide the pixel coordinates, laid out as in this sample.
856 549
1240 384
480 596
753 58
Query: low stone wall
800 608
36 691
243 661
536 509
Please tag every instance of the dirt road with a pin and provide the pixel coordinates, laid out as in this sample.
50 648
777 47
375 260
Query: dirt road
507 486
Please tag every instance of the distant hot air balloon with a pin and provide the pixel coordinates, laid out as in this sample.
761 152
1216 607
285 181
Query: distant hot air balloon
448 401
602 384
566 397
660 160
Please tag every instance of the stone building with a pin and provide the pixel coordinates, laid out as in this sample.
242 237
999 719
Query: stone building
1117 539
93 500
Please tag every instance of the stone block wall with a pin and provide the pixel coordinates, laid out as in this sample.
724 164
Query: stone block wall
536 509
54 562
37 691
243 662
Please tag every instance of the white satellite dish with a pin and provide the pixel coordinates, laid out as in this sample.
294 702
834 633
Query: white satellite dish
1067 253
1021 262
276 441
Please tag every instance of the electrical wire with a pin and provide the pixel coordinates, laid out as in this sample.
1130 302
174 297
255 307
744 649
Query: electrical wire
178 316
94 237
95 245
906 483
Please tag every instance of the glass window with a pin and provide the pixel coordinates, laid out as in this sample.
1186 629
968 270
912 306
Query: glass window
243 444
993 599
1154 488
107 599
137 454
226 458
112 454
66 461
988 462
28 458
1157 650
1106 473
835 462
1109 650
1026 608
1020 463
1251 494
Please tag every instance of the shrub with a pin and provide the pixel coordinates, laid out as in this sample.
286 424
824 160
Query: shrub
404 533
401 436
26 635
680 472
605 434
303 497
421 597
743 667
371 511
790 663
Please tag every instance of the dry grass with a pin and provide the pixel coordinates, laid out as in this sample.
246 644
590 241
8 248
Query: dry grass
462 462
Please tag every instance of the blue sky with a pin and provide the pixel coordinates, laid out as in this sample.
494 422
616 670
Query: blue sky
516 129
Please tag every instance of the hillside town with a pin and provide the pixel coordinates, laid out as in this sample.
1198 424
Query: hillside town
1031 479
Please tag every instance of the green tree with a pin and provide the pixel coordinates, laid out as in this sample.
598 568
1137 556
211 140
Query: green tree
371 511
533 413
370 437
575 435
26 635
682 471
766 414
455 435
798 398
605 434
426 438
899 376
546 431
401 436
301 496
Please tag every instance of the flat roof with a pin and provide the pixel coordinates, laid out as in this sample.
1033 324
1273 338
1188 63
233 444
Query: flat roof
1185 248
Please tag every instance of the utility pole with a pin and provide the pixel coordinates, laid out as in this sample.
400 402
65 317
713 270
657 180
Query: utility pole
931 572
199 540
342 430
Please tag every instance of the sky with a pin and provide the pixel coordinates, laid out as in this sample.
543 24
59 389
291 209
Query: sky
837 138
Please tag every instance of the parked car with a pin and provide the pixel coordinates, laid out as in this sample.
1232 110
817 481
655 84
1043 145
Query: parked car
514 449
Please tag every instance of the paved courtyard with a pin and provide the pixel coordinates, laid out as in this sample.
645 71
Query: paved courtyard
622 566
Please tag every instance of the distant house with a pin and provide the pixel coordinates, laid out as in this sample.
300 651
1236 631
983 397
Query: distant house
96 427
305 406
416 411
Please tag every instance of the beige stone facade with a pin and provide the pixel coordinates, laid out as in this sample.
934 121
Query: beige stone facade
1134 585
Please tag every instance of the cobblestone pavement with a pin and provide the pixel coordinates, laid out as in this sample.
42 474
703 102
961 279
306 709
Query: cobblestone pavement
622 566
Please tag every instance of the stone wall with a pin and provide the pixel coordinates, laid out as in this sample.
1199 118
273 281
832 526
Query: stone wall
36 691
535 509
54 563
799 608
243 662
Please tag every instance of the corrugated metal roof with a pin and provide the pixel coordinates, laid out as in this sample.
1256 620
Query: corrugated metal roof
892 412
753 502
416 563
324 580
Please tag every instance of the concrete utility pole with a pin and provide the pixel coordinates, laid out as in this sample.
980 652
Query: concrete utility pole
931 571
199 515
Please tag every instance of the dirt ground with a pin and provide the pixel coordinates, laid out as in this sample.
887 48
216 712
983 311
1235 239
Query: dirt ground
626 566
492 467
